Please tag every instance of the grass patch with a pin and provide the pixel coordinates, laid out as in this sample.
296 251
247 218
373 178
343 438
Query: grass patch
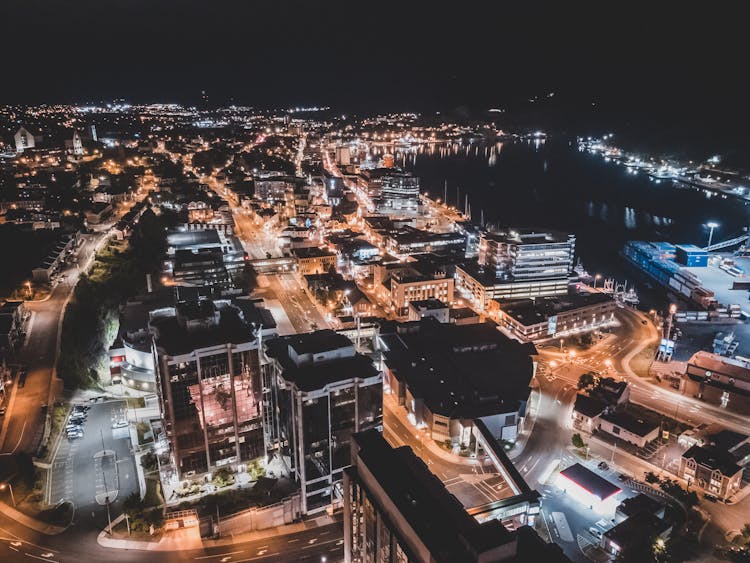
153 495
60 515
136 402
642 361
263 493
142 429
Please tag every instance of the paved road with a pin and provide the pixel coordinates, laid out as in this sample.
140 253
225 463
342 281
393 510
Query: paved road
473 481
317 544
23 425
25 419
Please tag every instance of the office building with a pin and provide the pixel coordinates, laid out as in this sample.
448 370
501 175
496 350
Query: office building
516 265
399 193
410 285
343 155
556 316
397 511
207 373
524 255
314 260
481 286
318 392
446 376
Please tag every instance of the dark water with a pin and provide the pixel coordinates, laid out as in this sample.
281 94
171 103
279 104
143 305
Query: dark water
553 185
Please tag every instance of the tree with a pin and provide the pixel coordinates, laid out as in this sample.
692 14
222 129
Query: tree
587 380
578 441
149 462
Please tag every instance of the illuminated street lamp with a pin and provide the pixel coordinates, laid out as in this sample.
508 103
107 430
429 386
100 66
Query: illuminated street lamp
596 277
7 485
711 226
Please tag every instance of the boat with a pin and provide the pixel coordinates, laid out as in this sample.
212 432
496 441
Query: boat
631 297
581 272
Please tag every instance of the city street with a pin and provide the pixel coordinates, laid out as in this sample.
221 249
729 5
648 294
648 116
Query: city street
23 425
473 481
18 543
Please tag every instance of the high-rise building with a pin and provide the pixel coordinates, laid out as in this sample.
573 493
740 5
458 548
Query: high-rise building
209 381
518 265
318 391
397 511
523 255
399 193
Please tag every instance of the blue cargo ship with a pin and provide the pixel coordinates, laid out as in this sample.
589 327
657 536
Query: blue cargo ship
659 261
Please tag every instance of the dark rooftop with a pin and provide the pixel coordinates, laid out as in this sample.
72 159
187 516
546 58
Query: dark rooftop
639 503
311 252
533 311
588 406
437 517
713 457
310 376
428 304
175 339
637 530
593 483
460 371
317 342
625 420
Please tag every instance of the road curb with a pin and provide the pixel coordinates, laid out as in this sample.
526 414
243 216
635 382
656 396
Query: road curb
29 522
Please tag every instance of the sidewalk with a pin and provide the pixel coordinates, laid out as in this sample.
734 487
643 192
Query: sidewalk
427 442
29 522
167 543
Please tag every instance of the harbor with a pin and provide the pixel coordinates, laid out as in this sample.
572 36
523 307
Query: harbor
712 283
704 176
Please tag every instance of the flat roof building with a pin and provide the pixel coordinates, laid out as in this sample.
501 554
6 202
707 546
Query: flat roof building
318 391
447 375
209 384
396 510
554 316
589 489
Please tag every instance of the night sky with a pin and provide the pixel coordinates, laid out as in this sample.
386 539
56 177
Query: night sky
677 63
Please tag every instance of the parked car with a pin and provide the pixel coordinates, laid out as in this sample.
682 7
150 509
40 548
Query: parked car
2 411
710 498
603 465
120 424
596 532
623 477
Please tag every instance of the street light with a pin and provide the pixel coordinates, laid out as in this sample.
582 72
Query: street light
596 277
7 485
711 225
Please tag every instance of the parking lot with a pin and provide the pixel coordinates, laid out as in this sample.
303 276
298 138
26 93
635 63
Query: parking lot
96 465
570 523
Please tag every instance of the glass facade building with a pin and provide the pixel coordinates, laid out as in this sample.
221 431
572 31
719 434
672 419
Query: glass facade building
209 381
319 391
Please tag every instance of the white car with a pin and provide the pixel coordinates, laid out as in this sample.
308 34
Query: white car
120 424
